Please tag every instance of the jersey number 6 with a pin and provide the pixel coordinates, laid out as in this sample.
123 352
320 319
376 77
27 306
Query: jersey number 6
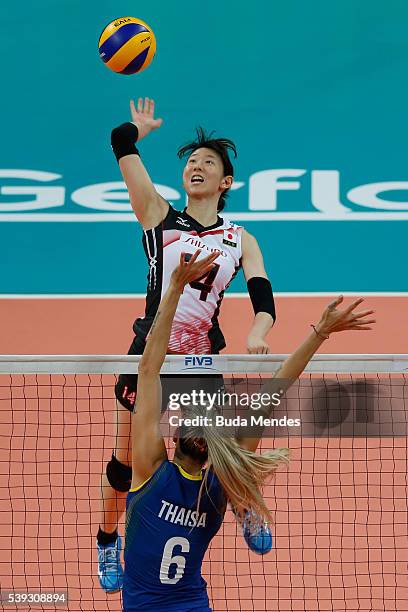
204 284
178 560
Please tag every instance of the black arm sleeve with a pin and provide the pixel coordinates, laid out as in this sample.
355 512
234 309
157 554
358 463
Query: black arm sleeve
260 292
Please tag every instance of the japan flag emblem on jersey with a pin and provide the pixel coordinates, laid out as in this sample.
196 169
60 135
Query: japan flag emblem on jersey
230 238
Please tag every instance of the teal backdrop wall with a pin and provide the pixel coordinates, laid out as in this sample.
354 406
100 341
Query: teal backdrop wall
314 94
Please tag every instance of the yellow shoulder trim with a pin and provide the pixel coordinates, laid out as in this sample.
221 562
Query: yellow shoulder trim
139 486
186 474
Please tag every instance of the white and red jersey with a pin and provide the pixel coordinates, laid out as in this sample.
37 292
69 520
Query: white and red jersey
195 328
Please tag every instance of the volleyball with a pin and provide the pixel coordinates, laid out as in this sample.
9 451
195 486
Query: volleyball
127 45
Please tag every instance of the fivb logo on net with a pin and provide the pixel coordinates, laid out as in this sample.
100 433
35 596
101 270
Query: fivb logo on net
35 195
198 362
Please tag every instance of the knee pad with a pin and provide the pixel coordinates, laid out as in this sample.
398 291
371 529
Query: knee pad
125 391
119 475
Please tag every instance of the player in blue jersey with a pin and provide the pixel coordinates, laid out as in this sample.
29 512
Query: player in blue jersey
174 508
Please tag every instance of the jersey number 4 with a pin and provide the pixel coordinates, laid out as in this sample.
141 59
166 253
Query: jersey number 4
204 284
178 560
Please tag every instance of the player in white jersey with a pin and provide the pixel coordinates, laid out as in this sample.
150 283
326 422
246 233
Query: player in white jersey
207 176
194 326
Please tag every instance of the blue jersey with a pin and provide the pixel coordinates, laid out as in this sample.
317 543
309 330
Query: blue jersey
166 539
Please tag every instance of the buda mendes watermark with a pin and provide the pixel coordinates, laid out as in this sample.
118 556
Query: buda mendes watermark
219 409
309 407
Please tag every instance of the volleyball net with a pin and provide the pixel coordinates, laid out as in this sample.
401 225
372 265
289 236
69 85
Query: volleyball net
339 507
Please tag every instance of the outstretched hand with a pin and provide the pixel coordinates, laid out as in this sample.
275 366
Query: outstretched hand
334 320
143 116
192 269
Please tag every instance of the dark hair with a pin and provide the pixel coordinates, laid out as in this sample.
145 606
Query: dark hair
220 146
196 448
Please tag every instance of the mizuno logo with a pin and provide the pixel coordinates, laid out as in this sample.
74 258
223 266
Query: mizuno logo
182 222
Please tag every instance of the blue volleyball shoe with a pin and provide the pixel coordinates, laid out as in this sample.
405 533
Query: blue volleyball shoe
110 571
260 540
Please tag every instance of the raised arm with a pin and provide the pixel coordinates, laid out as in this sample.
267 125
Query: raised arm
332 320
149 207
260 292
148 448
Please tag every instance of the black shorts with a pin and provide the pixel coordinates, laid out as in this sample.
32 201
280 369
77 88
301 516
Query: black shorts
126 386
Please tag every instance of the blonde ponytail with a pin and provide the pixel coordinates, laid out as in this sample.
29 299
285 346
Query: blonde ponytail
242 473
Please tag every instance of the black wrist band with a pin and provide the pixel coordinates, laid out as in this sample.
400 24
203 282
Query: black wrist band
123 140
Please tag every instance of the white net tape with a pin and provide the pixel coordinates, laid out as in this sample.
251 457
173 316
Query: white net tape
199 364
